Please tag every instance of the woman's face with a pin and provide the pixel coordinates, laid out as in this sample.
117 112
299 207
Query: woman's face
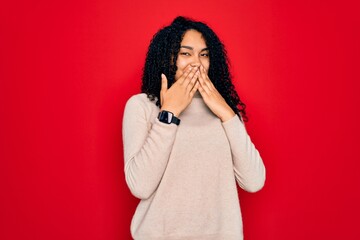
193 50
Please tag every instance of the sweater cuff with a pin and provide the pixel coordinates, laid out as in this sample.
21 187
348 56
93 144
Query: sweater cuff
165 125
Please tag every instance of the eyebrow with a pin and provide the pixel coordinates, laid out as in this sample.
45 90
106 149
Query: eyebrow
191 48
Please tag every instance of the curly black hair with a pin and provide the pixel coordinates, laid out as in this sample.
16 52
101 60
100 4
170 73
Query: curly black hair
164 49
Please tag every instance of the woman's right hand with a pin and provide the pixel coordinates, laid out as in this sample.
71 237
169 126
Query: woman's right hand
179 95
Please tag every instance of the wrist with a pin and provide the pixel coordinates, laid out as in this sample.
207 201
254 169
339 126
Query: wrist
227 116
173 111
168 117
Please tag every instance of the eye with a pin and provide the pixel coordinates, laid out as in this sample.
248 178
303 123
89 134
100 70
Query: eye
204 55
185 53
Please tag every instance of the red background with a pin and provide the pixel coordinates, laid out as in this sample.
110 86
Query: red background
67 69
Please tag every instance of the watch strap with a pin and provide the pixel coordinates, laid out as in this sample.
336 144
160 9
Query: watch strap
164 117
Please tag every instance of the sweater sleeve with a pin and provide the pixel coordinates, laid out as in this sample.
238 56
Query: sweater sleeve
146 151
249 168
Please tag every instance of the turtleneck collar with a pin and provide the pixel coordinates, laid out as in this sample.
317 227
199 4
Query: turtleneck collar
197 109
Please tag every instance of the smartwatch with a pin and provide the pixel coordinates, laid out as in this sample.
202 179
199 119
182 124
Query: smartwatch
168 117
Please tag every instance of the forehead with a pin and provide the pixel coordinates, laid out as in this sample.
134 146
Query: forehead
194 39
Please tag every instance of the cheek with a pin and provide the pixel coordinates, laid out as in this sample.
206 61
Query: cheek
206 63
206 66
181 65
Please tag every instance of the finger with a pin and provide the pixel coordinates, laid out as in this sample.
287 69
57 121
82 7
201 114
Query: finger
164 83
192 81
203 85
186 72
190 70
194 89
202 71
206 78
163 88
201 90
189 77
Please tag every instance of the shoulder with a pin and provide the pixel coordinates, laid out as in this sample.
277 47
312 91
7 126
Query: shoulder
136 98
140 102
140 99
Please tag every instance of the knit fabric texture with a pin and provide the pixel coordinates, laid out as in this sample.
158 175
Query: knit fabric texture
185 175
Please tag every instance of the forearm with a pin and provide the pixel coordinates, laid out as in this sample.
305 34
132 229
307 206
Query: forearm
145 167
249 168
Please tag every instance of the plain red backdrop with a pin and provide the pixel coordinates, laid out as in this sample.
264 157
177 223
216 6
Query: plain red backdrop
68 67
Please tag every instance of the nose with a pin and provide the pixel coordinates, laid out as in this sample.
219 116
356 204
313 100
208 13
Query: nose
196 62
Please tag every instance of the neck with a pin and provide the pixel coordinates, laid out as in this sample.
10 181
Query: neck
197 94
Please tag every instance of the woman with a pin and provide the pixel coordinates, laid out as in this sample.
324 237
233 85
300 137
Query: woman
185 143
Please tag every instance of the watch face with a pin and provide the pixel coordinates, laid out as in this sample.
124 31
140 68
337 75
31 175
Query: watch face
166 116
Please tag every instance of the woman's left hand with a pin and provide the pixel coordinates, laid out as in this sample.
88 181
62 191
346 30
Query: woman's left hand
213 98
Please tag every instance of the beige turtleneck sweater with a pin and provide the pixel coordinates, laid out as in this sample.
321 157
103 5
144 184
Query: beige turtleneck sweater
186 175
